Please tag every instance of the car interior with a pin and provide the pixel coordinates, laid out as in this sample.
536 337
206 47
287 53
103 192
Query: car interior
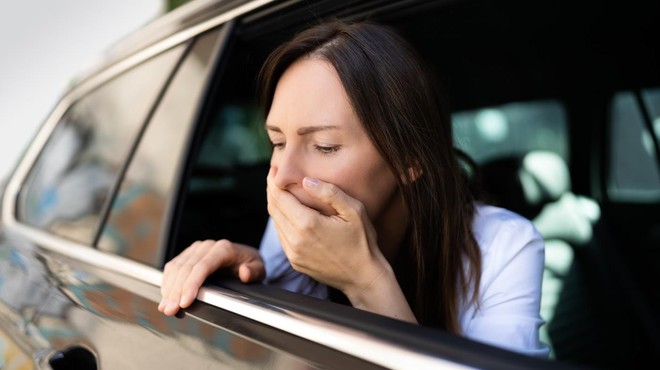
531 88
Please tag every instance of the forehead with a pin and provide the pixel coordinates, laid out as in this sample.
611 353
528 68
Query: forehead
310 92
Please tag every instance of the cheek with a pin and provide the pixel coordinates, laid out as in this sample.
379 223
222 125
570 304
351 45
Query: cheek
379 194
373 184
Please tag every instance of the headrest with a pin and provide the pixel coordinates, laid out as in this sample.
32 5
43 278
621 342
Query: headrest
525 183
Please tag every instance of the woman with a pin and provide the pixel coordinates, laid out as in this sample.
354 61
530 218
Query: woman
366 196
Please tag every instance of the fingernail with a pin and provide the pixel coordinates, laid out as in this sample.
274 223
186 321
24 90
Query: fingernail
312 183
184 300
171 306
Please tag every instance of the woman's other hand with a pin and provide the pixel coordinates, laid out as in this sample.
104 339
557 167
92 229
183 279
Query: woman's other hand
185 274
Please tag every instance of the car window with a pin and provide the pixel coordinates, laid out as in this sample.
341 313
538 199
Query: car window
224 192
69 185
485 71
634 173
514 128
226 196
134 228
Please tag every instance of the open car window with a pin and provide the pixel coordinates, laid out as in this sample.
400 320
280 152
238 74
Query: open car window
523 113
223 192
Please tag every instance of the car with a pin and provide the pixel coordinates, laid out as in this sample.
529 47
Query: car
162 144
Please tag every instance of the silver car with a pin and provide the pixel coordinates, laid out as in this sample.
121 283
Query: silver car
162 144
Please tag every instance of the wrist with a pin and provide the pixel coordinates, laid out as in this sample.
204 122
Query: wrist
370 287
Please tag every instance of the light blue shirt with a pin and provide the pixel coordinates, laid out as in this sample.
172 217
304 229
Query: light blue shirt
512 253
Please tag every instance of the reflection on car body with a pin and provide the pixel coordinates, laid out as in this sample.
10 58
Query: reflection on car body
162 145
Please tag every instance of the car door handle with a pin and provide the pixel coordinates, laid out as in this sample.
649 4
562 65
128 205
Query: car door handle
74 357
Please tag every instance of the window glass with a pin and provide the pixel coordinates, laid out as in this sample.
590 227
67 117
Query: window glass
69 185
651 99
634 172
510 129
135 224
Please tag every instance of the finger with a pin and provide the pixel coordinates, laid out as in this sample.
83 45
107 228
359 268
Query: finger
282 234
185 268
282 205
282 197
216 255
285 205
293 245
283 224
171 271
198 273
346 206
171 268
251 271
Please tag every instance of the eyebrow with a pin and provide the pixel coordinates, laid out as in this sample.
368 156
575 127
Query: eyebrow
305 130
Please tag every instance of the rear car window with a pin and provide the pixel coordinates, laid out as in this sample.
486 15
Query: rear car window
634 173
71 181
135 226
510 129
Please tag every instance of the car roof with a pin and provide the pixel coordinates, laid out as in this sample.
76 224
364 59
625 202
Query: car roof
181 20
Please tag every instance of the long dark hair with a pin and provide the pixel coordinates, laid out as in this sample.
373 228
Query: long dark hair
395 99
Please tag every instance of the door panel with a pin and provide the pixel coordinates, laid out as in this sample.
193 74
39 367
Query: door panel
116 317
23 289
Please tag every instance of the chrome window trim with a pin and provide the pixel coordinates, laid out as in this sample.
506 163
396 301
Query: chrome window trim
167 43
347 340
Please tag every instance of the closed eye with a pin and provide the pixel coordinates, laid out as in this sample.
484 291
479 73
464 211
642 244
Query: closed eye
277 145
327 150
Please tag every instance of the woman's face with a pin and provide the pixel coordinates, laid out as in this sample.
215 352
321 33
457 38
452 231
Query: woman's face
315 133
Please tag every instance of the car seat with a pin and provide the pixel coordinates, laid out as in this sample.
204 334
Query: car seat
537 186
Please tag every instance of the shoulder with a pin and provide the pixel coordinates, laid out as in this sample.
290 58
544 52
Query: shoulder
507 312
502 234
512 255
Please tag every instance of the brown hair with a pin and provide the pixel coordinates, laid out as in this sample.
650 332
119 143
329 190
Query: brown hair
395 99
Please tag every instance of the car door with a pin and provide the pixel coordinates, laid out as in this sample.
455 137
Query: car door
98 226
66 222
57 195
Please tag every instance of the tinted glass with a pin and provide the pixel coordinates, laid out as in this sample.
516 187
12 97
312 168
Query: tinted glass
514 128
633 166
70 183
135 224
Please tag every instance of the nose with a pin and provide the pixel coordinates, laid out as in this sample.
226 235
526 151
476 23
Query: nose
288 168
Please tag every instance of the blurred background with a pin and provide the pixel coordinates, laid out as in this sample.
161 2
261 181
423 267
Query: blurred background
46 44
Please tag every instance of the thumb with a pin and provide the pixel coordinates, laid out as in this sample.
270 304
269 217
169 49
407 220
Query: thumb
331 195
251 271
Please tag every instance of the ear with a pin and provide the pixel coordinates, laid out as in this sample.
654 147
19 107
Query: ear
413 173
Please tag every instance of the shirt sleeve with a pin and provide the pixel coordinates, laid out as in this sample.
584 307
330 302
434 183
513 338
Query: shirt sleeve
510 290
279 272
